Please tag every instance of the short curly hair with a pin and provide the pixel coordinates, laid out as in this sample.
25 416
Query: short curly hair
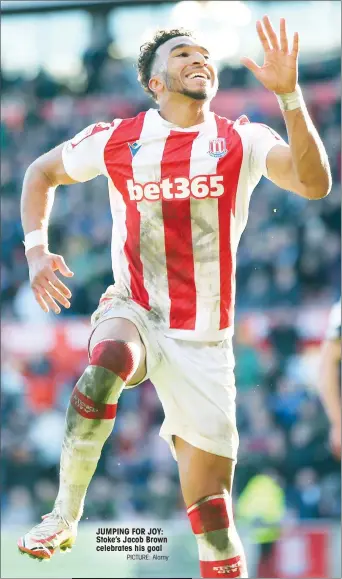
148 52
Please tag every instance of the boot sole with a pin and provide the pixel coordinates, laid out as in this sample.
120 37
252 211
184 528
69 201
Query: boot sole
41 555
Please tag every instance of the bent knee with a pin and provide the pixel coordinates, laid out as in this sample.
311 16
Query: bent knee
211 513
120 357
220 548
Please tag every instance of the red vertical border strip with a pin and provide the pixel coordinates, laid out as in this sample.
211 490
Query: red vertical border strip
178 234
118 160
229 166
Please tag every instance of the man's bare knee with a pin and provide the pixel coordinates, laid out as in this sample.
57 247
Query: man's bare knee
122 331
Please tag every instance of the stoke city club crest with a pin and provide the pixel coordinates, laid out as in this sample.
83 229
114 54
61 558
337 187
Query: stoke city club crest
218 147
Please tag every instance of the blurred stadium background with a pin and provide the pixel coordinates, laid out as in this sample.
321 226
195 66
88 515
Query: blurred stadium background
66 65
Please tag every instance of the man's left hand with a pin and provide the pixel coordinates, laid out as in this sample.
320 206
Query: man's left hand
279 73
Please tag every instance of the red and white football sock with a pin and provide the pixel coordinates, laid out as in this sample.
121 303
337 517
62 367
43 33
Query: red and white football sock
90 420
220 550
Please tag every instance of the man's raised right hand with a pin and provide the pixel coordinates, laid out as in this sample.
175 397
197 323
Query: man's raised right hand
46 286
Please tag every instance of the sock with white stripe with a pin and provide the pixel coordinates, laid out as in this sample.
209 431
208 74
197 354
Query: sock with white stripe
90 419
219 546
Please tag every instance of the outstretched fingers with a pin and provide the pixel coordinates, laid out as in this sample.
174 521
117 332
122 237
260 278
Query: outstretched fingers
61 292
263 38
283 36
45 300
40 300
271 33
295 47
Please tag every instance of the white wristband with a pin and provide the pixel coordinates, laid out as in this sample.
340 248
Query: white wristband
34 238
291 100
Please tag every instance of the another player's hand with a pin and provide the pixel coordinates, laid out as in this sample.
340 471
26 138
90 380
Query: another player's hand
46 286
335 440
279 73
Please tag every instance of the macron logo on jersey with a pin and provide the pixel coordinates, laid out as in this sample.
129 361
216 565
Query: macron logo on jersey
134 147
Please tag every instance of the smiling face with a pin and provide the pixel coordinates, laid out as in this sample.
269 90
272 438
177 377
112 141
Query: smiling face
184 67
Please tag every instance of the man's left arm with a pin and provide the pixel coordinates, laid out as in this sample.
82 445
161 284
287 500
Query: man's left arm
303 166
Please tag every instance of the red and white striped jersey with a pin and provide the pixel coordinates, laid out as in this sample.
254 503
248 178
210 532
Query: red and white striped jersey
179 200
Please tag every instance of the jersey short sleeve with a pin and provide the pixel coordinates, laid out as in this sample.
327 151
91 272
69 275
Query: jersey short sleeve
334 323
83 155
262 140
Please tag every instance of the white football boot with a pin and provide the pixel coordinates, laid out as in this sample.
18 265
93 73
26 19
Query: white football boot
52 533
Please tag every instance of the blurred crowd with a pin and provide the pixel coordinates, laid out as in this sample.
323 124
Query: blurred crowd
282 428
289 256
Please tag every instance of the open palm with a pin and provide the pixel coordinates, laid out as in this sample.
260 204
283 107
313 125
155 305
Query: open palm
279 73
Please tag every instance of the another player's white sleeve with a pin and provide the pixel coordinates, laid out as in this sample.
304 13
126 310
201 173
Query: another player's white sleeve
262 140
83 155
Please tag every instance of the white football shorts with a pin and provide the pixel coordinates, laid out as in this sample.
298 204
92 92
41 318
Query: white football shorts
194 380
